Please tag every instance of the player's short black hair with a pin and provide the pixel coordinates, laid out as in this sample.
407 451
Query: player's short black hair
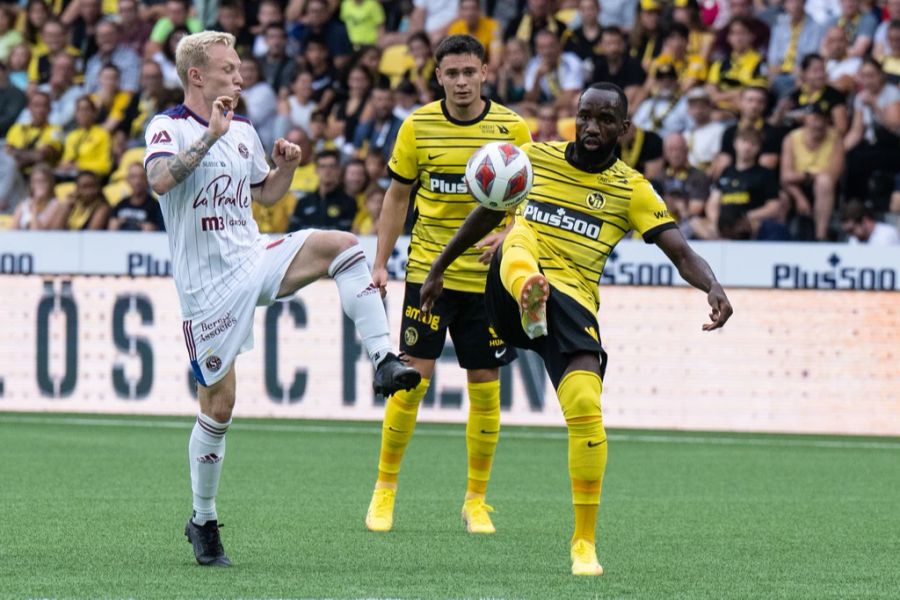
611 87
459 44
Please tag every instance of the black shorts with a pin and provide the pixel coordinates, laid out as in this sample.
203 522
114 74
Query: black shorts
569 325
475 341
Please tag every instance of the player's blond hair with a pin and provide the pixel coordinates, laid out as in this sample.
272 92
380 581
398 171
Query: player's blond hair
193 51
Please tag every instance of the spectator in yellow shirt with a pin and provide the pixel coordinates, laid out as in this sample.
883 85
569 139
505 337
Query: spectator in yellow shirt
483 28
364 20
88 147
38 141
111 100
83 209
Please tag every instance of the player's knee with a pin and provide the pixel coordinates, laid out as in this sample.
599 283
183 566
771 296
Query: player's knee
221 405
580 403
221 414
343 240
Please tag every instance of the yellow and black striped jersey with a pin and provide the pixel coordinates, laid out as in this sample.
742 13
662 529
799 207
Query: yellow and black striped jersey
432 149
579 216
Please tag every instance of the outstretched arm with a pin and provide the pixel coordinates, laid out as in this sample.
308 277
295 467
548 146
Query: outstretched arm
696 271
478 224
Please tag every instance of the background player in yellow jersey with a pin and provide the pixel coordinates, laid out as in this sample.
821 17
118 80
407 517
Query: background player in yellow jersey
431 151
542 286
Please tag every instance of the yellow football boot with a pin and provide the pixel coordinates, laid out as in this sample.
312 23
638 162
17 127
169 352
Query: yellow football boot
380 516
584 559
475 516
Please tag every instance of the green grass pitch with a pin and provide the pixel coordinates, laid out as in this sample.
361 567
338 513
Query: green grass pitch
93 507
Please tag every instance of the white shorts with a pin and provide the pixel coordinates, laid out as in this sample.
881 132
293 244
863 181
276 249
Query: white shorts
216 338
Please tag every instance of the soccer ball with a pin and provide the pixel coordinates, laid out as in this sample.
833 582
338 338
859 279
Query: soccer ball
499 175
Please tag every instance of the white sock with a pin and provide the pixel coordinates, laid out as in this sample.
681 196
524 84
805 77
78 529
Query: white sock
206 452
362 301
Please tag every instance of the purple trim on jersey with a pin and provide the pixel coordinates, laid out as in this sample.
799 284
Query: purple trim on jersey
242 119
157 155
176 112
190 113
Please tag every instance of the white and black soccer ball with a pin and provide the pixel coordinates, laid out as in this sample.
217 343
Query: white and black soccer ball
499 175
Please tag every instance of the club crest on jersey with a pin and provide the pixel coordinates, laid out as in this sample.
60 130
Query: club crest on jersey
242 150
410 336
213 363
596 200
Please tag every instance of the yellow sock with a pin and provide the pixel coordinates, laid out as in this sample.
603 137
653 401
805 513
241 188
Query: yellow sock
520 252
399 424
579 396
482 433
585 522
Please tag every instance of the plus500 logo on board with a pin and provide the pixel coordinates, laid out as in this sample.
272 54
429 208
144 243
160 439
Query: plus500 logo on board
835 277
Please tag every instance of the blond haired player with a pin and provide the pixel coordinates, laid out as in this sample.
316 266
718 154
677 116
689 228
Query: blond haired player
208 165
542 286
431 151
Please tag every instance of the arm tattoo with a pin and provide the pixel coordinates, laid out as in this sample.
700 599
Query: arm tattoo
183 164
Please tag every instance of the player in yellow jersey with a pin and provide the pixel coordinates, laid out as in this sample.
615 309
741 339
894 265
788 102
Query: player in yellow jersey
542 286
431 151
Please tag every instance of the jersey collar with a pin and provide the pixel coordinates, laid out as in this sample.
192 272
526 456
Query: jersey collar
487 108
197 117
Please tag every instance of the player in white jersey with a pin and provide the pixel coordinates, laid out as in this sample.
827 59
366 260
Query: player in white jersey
208 164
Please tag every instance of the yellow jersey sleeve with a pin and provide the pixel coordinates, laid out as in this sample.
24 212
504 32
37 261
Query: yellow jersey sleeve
523 134
404 164
647 212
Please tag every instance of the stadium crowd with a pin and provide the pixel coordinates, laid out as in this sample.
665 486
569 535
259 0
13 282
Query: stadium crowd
755 119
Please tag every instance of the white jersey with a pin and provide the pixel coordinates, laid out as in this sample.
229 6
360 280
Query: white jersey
214 241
